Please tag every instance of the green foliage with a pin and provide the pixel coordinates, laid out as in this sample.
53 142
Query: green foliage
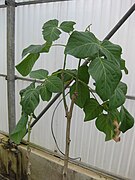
92 109
83 74
82 93
118 98
67 26
104 66
111 51
33 49
54 84
82 45
51 31
106 74
39 74
127 121
29 101
104 123
20 129
25 67
44 92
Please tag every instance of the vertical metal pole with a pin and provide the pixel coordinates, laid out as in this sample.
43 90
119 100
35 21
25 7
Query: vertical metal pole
11 63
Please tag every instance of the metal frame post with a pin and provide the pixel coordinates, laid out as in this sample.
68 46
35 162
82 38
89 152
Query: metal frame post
11 63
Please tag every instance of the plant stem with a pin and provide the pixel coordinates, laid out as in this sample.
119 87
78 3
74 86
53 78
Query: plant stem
28 148
77 77
59 45
63 90
69 117
66 158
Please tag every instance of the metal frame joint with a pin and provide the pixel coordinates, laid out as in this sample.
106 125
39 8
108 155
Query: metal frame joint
10 3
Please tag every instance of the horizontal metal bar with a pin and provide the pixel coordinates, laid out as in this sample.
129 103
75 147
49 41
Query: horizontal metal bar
28 79
130 97
33 2
3 6
22 78
3 75
38 2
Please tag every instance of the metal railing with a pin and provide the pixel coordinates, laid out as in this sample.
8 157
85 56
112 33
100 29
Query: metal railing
16 4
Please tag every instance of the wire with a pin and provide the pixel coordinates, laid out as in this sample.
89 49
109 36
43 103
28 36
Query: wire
52 131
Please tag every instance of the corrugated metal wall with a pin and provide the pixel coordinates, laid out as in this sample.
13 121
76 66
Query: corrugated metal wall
87 142
3 88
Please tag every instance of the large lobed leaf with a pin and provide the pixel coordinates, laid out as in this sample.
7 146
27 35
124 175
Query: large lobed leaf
86 45
82 45
50 30
106 75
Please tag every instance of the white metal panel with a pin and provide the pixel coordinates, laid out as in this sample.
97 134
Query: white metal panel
87 142
3 58
2 2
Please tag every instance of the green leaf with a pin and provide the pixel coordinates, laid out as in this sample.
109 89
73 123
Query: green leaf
106 74
67 26
54 84
82 45
31 86
70 74
39 74
50 30
44 93
118 98
123 66
110 50
114 115
83 94
104 124
30 101
32 49
123 87
20 129
25 67
46 47
83 74
92 109
127 121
